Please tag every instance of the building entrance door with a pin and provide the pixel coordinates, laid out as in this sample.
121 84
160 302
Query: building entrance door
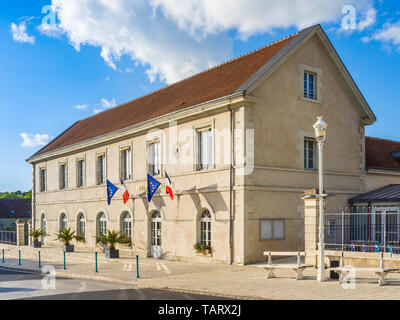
156 236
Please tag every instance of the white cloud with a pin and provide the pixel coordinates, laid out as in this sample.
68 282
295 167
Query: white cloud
34 140
173 38
205 17
19 33
106 104
369 20
389 35
81 107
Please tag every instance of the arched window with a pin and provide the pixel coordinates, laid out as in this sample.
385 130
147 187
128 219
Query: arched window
102 224
43 226
63 222
81 225
126 225
205 228
43 222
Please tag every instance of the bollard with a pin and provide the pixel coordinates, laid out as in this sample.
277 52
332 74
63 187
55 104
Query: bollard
95 256
3 257
137 267
19 257
40 263
65 265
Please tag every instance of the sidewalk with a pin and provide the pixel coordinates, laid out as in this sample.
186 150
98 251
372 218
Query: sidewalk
243 282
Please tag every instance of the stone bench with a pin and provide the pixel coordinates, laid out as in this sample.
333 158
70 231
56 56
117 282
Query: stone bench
298 268
381 271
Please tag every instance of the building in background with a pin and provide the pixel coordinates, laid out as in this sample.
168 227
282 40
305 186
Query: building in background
12 210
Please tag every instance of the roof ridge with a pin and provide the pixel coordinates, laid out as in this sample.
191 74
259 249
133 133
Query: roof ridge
199 73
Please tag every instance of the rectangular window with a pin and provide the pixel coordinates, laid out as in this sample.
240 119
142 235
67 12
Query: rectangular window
80 173
101 169
309 154
204 152
310 85
272 229
42 180
125 164
63 176
154 158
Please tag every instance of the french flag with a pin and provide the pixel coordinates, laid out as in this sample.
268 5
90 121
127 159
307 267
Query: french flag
125 192
168 186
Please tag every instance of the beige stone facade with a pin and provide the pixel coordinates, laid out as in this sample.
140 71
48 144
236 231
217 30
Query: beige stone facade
266 186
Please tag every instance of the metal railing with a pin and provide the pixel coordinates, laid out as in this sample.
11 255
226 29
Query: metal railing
363 232
8 237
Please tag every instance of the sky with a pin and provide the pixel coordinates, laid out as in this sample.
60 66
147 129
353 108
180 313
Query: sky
65 60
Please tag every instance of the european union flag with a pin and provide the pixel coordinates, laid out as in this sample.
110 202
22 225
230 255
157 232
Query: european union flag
152 186
111 190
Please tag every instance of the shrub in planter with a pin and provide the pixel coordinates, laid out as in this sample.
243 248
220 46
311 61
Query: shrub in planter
110 241
80 238
36 234
66 236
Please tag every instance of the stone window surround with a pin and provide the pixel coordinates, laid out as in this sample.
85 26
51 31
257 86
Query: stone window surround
318 72
124 147
155 138
78 159
196 128
98 154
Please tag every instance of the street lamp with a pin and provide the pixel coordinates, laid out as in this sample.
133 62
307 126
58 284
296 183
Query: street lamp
320 134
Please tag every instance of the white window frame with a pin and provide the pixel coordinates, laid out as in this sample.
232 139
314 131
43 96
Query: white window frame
43 179
272 222
206 228
317 72
126 224
197 161
102 222
63 222
155 168
306 154
83 161
125 173
63 184
104 175
80 222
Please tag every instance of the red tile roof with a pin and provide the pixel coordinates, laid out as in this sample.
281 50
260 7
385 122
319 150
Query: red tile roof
378 153
211 84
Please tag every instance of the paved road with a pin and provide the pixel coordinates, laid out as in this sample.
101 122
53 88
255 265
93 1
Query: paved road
21 285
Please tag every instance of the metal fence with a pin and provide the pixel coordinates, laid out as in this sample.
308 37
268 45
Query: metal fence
8 237
363 232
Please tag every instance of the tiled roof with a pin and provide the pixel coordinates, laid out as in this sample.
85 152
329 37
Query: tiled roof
390 193
218 82
15 208
379 153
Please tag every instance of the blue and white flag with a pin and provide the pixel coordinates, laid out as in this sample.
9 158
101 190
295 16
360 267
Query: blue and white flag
152 186
111 190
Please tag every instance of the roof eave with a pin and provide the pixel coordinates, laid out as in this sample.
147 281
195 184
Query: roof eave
235 99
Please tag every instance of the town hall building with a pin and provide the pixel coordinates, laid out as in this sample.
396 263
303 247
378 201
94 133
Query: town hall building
238 145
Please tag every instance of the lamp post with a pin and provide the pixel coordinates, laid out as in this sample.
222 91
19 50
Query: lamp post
320 134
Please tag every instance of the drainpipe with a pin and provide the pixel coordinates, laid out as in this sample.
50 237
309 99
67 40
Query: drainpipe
33 209
231 189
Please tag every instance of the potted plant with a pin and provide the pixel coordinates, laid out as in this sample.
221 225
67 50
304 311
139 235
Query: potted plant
199 248
110 241
80 238
207 250
66 236
36 234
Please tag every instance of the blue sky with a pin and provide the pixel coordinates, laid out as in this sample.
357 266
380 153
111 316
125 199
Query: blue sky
103 53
